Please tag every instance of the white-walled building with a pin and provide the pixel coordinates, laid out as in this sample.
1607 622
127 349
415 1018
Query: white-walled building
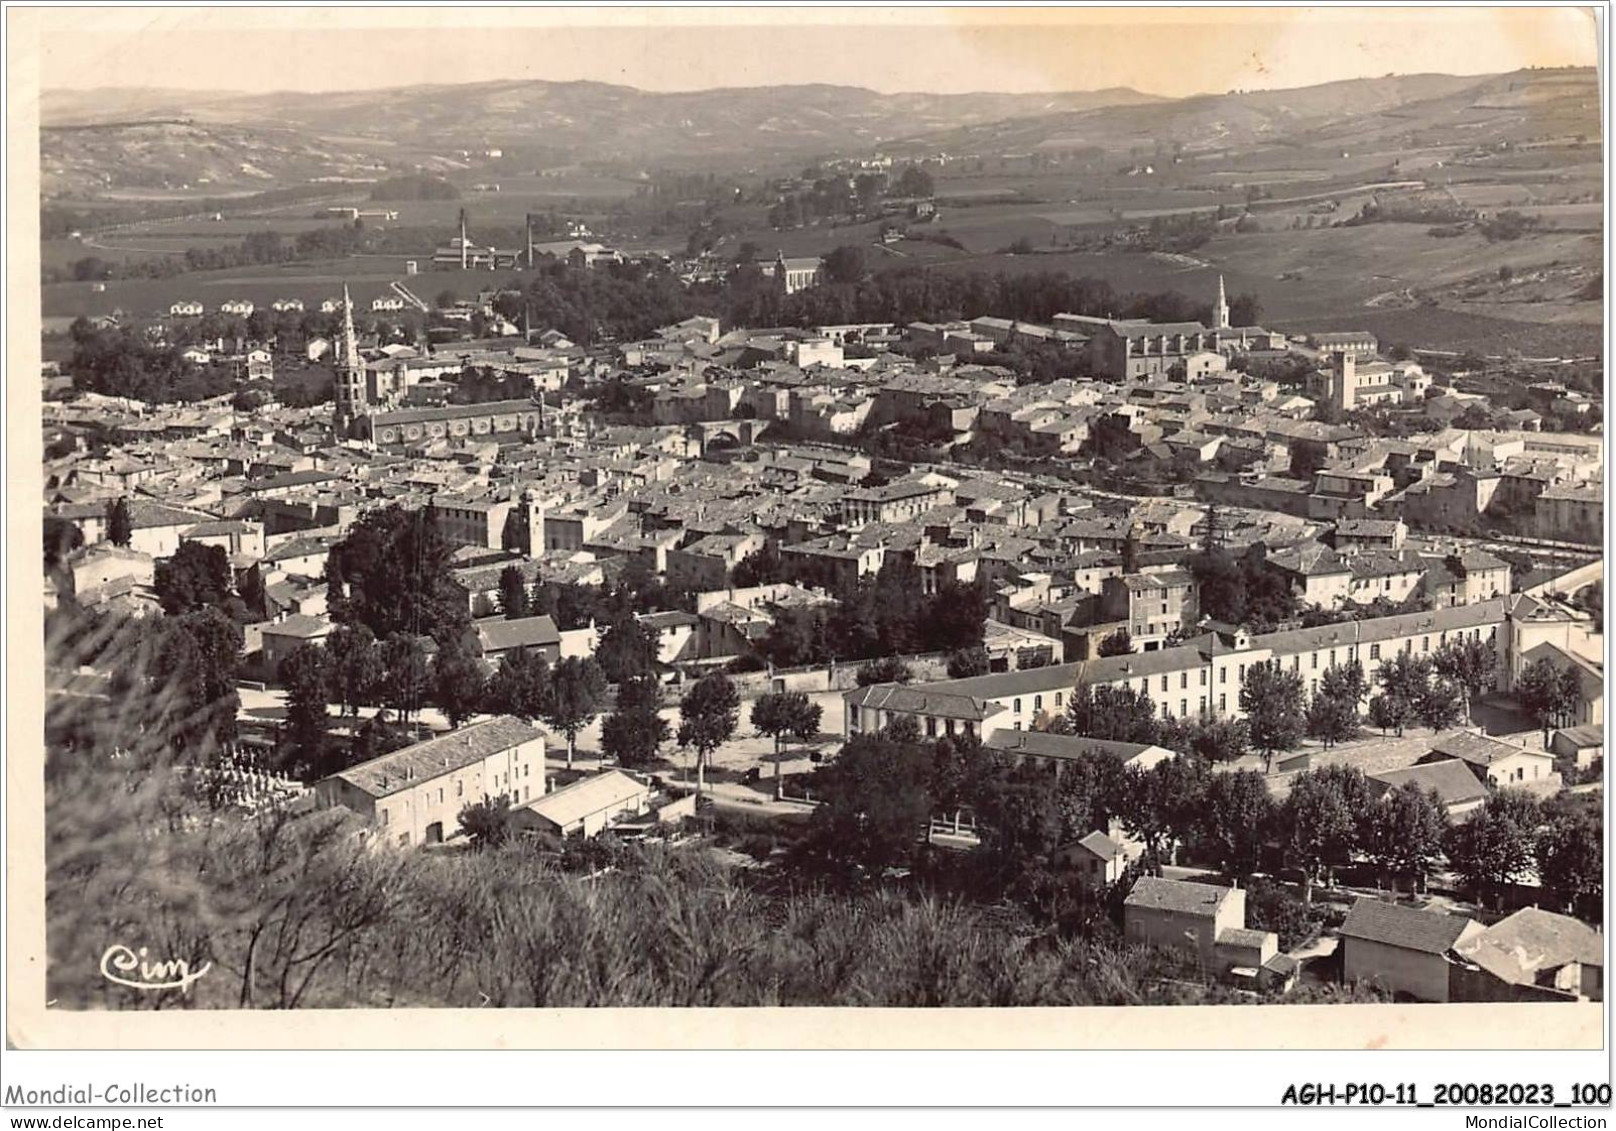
415 795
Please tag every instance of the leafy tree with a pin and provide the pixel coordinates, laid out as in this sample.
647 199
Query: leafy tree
888 669
845 264
1495 846
967 662
797 636
1332 716
913 181
577 687
512 593
379 735
1112 713
1471 664
408 677
632 734
1220 740
641 693
1517 806
354 666
874 806
1405 682
893 607
901 728
1240 590
954 617
1272 702
459 681
61 539
1130 551
1271 907
1591 600
487 822
805 720
1163 805
1569 864
1549 694
303 739
627 650
1386 713
1118 643
763 566
1406 830
520 686
1019 817
780 713
396 565
250 588
1089 794
1322 821
1440 704
120 527
707 717
198 654
197 575
1236 818
336 590
1245 309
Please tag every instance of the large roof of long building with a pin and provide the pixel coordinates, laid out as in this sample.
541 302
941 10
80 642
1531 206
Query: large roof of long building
1410 928
498 634
1063 747
1450 780
406 768
453 412
926 699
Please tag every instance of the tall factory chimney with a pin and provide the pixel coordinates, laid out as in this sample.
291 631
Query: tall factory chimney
464 243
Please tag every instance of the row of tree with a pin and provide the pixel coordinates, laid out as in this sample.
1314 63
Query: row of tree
889 614
354 669
883 790
1434 691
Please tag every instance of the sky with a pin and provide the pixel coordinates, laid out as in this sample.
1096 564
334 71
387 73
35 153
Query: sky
1174 51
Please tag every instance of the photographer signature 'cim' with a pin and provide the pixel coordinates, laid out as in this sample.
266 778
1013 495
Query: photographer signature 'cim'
130 968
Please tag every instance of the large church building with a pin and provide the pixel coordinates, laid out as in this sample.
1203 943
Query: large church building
1132 348
357 418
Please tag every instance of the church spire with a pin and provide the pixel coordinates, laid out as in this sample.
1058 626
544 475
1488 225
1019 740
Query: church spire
1220 312
350 383
350 342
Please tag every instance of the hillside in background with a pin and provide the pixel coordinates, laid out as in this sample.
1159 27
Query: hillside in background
173 155
443 127
1411 110
251 141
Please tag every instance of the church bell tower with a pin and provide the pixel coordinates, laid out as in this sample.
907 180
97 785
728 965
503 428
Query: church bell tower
350 383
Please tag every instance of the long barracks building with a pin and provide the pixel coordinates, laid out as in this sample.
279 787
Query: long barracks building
1201 678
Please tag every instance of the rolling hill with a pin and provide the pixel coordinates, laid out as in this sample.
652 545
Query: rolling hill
563 122
239 142
1410 110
